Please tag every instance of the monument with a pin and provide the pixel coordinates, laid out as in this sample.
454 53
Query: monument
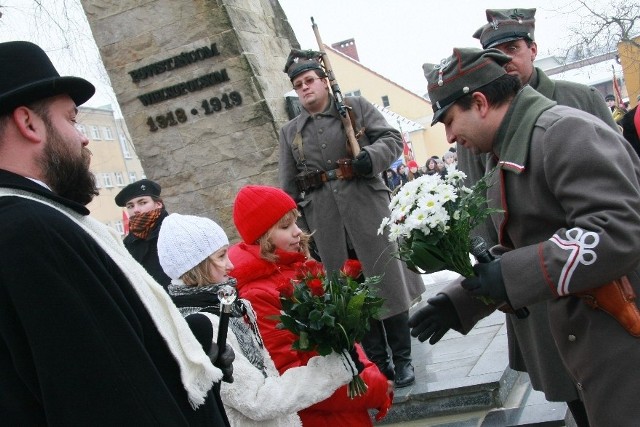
201 88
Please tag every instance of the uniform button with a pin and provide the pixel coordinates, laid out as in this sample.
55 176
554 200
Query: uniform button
335 190
579 386
329 161
572 338
324 145
320 130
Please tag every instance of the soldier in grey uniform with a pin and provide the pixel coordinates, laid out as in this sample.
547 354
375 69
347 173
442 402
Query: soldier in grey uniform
578 237
345 211
531 349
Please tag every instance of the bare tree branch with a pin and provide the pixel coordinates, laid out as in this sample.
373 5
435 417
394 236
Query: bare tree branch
603 28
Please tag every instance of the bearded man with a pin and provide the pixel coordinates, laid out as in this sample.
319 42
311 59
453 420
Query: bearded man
86 335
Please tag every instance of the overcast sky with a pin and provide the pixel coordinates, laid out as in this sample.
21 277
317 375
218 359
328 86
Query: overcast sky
393 37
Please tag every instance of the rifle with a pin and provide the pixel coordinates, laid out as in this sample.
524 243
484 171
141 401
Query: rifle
337 95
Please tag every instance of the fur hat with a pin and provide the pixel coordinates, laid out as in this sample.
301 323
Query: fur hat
185 241
505 25
257 208
144 187
463 72
27 75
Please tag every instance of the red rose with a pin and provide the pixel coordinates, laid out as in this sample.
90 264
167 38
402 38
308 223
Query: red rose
352 268
286 289
316 287
314 268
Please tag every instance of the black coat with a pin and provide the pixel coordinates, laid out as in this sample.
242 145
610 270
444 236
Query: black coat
629 129
77 345
145 251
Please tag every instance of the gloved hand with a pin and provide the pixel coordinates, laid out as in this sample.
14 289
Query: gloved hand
356 359
362 163
224 361
434 319
487 282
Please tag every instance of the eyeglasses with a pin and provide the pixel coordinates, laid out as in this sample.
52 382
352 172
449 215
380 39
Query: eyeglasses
307 81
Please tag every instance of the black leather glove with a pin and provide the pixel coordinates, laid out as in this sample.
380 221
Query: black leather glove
487 281
356 359
224 361
362 163
434 319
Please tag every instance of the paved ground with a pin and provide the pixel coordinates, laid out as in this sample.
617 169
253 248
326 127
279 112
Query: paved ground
465 381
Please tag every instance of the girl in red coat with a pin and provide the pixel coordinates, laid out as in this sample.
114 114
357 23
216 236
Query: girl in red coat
273 248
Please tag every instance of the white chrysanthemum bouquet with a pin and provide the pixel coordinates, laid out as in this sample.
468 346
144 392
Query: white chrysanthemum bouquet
432 219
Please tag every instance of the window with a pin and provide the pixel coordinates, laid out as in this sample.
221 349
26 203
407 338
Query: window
354 93
119 227
95 133
81 128
124 147
106 180
385 101
108 135
132 177
119 179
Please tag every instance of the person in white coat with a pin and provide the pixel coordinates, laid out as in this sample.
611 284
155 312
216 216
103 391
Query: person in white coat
193 252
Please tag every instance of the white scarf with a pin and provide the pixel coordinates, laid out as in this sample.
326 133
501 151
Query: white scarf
196 370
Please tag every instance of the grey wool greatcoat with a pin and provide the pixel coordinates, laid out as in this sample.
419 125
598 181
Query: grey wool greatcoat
531 347
354 207
570 190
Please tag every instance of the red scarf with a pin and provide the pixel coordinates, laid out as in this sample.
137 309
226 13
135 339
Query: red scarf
141 225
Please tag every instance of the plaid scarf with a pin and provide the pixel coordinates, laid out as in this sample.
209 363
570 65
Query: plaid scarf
141 225
243 321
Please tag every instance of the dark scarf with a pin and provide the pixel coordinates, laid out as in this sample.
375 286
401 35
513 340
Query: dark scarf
142 224
194 299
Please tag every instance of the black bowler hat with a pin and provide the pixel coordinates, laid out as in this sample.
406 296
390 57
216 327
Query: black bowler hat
144 187
27 75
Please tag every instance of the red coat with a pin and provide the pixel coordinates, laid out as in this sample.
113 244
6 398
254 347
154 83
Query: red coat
257 282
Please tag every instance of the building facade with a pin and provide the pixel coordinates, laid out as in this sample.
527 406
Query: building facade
114 162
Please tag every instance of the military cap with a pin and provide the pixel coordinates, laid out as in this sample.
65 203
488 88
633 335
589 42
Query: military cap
463 72
505 25
609 97
144 187
300 61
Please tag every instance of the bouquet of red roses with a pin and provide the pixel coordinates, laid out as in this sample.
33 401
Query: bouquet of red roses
329 312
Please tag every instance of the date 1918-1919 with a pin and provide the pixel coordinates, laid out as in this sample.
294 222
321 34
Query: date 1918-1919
210 106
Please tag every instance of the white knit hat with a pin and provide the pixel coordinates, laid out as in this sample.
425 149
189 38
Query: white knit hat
185 241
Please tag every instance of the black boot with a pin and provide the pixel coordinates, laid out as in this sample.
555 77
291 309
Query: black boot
375 346
404 375
399 339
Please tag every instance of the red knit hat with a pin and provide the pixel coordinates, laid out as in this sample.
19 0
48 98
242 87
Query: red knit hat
257 208
412 164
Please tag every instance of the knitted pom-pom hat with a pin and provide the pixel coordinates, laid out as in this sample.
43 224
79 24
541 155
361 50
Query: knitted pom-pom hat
185 241
257 208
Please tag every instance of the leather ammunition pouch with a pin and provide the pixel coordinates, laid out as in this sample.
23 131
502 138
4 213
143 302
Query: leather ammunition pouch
617 299
309 180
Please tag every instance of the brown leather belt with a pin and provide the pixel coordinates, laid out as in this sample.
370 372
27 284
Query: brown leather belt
331 175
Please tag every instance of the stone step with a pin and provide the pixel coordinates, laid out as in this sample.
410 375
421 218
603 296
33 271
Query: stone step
428 400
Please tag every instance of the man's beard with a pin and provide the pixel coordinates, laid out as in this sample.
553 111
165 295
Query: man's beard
67 175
